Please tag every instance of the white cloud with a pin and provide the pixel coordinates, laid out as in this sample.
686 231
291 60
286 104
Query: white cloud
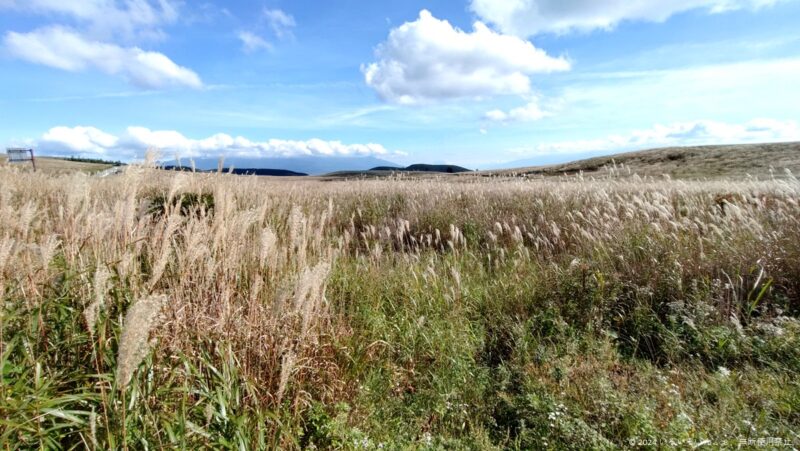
280 22
129 19
731 92
680 134
91 141
252 42
429 59
65 49
81 139
528 113
89 33
530 17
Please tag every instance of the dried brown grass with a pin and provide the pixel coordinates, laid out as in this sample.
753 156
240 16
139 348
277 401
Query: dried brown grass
253 272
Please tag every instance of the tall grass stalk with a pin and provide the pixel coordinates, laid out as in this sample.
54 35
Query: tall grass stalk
155 309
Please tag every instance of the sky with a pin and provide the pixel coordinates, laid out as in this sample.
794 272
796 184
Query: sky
479 83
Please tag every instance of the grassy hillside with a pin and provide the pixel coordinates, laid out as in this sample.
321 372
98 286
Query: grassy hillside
160 310
686 162
57 165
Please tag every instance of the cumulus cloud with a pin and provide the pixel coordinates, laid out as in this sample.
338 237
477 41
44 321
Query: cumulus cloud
679 134
429 59
135 140
252 42
65 49
88 140
530 112
129 19
531 17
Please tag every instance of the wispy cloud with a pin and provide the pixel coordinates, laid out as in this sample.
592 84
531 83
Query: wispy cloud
250 117
531 17
98 34
279 22
104 95
280 25
700 132
65 49
252 42
107 20
352 117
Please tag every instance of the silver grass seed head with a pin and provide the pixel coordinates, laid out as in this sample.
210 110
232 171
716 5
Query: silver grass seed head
142 317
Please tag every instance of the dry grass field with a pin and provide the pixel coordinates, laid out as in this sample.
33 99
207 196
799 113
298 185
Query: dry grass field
701 162
156 310
57 165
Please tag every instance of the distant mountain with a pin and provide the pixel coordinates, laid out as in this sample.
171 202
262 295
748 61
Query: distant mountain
313 165
243 171
447 168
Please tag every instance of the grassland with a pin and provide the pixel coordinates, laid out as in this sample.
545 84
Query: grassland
177 310
58 165
700 162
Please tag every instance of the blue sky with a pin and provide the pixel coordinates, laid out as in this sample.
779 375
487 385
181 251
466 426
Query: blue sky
473 82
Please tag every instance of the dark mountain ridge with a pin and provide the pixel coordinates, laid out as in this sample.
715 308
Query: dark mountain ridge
445 168
242 171
312 165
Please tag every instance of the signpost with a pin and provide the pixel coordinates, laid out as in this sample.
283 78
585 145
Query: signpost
17 155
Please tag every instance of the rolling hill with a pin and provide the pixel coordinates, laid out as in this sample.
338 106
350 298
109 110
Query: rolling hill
684 162
53 165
